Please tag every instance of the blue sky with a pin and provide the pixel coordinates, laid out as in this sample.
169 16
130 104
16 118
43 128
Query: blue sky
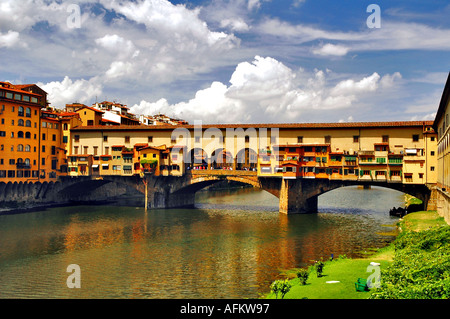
231 61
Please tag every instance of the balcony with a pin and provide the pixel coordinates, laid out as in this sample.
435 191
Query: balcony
366 153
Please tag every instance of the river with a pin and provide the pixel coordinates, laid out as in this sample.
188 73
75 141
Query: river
232 245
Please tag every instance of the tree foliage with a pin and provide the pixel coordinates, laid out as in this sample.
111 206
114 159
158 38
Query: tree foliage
421 267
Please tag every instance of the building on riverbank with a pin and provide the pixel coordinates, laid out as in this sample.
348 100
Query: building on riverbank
442 126
392 152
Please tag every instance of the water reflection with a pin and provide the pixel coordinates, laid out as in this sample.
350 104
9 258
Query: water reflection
232 246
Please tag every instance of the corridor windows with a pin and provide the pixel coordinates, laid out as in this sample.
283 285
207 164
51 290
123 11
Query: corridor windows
415 137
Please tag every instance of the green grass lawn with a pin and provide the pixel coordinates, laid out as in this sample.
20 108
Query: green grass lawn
347 271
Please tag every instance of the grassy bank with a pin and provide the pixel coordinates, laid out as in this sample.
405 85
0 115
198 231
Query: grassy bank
344 272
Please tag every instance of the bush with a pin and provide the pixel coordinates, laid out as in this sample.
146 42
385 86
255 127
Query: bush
421 267
303 275
318 267
280 286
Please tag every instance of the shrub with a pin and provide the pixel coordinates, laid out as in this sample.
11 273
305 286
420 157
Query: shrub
421 267
303 275
318 267
280 286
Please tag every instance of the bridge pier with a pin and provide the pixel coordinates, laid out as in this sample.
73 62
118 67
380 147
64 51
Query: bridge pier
294 198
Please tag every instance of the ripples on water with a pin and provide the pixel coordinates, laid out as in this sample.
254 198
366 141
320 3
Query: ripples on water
232 246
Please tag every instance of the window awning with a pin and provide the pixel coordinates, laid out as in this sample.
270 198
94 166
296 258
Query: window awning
411 151
95 166
105 165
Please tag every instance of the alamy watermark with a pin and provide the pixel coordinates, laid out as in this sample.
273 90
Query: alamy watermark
220 147
74 279
374 20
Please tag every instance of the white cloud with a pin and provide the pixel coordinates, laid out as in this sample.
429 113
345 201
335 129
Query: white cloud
267 89
68 91
331 49
10 39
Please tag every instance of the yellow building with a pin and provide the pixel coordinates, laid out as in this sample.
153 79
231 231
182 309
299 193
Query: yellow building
90 116
441 125
402 152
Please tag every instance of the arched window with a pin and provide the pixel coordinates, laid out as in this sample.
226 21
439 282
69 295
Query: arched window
27 135
20 134
28 112
65 127
20 113
21 122
27 162
19 161
28 123
20 148
27 148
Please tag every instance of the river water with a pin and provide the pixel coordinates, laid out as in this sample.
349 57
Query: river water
233 245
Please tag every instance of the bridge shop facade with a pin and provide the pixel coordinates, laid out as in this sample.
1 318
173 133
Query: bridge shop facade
295 162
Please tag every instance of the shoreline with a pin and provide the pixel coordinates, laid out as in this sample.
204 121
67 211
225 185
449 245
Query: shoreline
346 270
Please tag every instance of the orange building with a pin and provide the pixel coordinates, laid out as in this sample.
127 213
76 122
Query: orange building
90 116
53 153
20 131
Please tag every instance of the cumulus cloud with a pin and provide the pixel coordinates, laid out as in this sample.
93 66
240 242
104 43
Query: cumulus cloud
267 89
68 91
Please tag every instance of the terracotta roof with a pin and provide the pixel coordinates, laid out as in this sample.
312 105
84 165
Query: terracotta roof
271 125
90 108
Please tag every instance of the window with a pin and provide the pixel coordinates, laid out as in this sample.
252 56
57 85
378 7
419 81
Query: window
20 134
21 123
432 138
385 138
27 135
20 148
106 150
77 138
65 139
299 139
85 149
43 136
43 148
328 139
150 139
54 137
21 111
43 161
28 123
2 133
432 153
95 150
356 139
53 150
247 139
75 150
105 138
65 127
432 168
27 148
28 112
415 137
127 139
12 161
44 124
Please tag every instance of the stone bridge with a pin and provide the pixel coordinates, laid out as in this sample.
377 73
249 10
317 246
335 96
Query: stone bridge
295 195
